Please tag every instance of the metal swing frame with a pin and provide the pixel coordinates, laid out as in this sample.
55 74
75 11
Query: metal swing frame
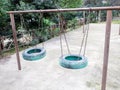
107 34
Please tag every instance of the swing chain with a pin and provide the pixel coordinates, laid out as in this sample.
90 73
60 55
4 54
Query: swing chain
62 30
41 25
87 32
85 36
60 35
22 22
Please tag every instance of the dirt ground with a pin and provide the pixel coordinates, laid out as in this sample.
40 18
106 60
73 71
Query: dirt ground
47 74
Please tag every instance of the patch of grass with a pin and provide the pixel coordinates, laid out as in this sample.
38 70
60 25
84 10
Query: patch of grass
113 85
90 84
113 22
95 85
11 51
116 21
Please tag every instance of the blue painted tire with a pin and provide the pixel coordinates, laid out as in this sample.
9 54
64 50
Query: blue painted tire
30 55
76 62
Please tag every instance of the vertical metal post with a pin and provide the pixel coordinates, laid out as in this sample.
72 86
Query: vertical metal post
106 49
15 40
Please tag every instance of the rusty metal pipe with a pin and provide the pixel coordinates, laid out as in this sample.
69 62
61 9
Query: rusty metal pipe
67 10
106 49
15 40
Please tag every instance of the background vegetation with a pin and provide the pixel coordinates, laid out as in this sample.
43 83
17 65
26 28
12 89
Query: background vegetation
41 22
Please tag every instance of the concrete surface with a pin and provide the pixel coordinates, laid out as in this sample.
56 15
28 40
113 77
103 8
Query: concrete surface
47 74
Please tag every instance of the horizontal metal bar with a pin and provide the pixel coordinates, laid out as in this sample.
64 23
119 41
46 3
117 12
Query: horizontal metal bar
67 10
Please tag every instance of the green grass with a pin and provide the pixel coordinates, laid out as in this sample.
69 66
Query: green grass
11 51
116 21
113 22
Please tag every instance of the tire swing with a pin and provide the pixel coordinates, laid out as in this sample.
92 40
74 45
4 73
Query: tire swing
73 61
35 53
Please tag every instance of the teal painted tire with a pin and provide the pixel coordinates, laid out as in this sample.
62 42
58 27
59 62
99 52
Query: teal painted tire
33 54
73 61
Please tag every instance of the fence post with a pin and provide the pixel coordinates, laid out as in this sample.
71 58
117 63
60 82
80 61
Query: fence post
15 40
106 49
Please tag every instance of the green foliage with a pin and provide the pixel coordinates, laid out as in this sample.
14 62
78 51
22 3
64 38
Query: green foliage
71 3
69 16
25 6
4 17
92 3
47 22
44 4
28 1
93 17
72 23
32 20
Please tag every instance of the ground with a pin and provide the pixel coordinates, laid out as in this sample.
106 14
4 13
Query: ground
47 74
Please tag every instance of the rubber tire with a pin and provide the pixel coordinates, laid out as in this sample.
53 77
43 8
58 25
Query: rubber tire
73 64
34 56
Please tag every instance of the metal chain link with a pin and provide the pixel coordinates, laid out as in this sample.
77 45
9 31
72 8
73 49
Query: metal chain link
85 36
88 22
